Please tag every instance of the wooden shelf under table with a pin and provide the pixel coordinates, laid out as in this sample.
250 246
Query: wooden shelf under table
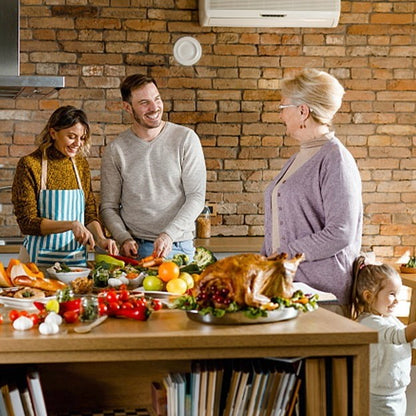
169 340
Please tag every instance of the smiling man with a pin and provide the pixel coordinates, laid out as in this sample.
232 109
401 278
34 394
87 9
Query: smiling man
153 178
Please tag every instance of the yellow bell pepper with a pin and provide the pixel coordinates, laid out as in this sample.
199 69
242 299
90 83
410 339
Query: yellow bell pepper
109 260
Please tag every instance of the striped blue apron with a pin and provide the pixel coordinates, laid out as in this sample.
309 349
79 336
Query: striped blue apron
58 205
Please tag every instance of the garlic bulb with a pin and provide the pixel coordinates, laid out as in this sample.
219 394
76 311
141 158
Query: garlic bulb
22 323
53 318
48 328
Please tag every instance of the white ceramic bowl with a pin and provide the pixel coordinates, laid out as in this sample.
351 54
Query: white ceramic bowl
68 277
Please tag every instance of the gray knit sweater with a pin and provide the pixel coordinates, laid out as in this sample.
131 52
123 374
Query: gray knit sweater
153 187
320 214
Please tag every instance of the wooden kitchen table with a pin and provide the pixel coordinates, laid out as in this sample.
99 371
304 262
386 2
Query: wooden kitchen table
113 366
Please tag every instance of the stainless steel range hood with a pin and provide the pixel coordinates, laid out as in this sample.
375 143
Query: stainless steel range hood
12 84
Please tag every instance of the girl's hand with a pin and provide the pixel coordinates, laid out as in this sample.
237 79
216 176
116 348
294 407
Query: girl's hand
82 234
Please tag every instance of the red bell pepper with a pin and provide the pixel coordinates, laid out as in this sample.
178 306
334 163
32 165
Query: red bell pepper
140 313
70 305
40 306
127 260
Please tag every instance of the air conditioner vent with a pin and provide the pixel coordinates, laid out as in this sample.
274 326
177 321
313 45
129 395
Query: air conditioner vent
269 13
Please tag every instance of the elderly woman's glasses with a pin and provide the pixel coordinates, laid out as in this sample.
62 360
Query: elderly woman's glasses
282 106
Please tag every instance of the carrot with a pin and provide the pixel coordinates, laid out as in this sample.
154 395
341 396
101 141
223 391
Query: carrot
148 258
153 262
132 275
149 263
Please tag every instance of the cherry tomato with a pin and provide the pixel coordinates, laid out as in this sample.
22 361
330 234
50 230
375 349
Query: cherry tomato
14 314
102 309
1 318
102 297
71 316
24 313
112 296
113 308
141 302
157 305
123 295
35 318
127 305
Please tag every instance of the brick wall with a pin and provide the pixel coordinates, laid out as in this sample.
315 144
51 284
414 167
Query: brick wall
230 98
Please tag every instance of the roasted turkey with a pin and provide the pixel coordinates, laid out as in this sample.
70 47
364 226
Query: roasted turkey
247 279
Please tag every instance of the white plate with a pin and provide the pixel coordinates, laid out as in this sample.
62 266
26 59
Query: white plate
187 51
26 304
163 296
239 318
68 277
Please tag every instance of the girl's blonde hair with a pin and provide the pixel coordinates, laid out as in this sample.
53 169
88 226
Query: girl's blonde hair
320 91
63 118
371 277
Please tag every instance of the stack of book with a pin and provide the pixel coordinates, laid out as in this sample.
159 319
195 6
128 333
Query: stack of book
23 397
258 387
327 389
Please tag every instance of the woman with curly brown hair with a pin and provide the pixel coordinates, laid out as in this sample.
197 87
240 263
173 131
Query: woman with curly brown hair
52 194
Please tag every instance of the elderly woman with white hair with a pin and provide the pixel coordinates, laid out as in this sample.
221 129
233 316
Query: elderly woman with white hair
314 205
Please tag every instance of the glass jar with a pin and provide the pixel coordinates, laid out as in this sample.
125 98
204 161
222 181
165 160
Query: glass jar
64 295
203 224
89 310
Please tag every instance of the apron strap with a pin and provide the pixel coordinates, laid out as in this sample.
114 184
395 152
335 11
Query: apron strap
76 173
44 172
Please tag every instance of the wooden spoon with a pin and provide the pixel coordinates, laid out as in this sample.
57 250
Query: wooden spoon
87 328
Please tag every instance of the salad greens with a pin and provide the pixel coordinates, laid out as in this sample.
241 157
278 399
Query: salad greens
298 301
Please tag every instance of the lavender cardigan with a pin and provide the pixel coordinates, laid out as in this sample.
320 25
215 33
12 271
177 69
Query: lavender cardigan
321 215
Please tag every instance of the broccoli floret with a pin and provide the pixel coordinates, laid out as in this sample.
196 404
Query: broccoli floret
180 259
204 257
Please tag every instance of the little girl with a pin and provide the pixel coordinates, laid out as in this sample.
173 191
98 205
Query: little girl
375 291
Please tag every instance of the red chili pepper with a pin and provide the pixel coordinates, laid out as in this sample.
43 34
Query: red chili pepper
140 313
127 260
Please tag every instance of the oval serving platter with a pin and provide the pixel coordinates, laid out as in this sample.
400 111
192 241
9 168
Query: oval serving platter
239 318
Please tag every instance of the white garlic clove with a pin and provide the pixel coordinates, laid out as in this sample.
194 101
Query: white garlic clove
124 280
48 328
54 318
22 323
114 282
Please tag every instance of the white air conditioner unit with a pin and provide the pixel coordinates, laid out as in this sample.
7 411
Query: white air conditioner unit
269 13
